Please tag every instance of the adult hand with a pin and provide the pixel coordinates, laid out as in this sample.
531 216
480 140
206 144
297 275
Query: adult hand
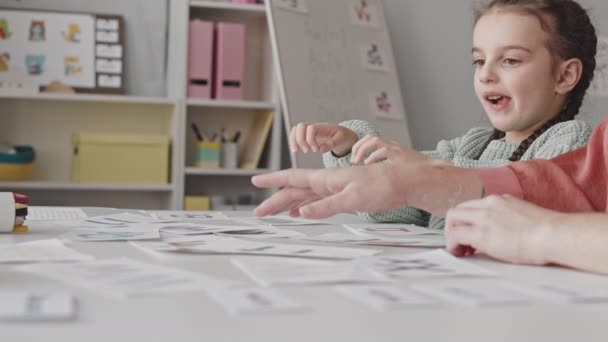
321 137
502 227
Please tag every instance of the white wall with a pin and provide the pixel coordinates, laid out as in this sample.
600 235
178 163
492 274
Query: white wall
432 45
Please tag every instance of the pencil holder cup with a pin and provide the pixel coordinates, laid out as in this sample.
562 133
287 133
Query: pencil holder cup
208 155
229 155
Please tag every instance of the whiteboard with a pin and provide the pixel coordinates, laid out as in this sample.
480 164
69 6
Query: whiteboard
335 62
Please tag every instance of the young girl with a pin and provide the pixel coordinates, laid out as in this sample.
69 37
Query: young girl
534 60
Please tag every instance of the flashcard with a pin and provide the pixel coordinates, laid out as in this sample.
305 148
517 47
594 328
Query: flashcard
298 6
364 13
350 239
383 105
109 66
282 220
262 233
437 263
386 297
106 37
122 220
125 277
393 230
107 24
23 306
473 293
189 228
255 301
271 271
40 251
223 245
187 215
109 81
114 234
108 51
374 58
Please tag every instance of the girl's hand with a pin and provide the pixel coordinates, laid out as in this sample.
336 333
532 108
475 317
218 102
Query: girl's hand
502 227
380 149
322 137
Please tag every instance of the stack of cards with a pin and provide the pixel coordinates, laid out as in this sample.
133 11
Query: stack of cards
21 202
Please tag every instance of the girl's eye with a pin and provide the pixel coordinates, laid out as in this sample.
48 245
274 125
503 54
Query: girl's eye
478 62
512 61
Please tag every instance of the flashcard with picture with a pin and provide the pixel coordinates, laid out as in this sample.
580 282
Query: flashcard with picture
374 58
384 105
298 6
364 13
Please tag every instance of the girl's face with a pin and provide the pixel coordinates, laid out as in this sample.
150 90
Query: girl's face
514 73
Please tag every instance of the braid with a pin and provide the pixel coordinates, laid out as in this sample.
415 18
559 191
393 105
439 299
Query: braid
524 145
496 134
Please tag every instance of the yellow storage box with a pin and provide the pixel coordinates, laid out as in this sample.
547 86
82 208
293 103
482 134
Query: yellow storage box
120 158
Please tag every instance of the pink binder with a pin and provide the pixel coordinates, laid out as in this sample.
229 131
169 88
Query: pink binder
229 61
200 59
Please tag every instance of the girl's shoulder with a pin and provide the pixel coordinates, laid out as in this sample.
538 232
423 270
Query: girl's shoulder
576 129
477 133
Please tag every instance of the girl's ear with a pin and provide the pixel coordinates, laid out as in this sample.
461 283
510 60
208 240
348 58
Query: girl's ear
570 72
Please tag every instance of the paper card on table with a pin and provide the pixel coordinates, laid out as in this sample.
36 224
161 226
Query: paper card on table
473 293
113 234
350 239
122 220
54 213
223 245
125 277
283 220
386 297
270 271
155 248
392 230
187 215
40 251
264 232
189 228
572 293
254 301
23 306
437 263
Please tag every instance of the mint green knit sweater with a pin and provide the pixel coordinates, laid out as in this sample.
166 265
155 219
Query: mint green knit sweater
561 138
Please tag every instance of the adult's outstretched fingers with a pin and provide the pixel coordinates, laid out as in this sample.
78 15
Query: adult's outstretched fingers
299 178
340 202
284 200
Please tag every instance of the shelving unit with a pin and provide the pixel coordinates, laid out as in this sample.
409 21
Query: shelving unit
260 91
48 121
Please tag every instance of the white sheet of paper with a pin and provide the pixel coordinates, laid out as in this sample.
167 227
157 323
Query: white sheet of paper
473 293
40 251
187 215
271 271
577 293
125 277
437 263
254 301
386 297
390 230
189 228
22 306
122 220
134 232
226 245
35 213
155 248
264 232
283 220
351 239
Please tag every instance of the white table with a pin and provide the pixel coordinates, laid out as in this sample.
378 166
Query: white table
195 317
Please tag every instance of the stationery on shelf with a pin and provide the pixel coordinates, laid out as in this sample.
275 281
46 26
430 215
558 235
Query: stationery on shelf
200 59
256 139
229 61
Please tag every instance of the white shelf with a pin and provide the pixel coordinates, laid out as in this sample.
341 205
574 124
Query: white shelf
71 186
253 8
192 171
90 98
262 105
